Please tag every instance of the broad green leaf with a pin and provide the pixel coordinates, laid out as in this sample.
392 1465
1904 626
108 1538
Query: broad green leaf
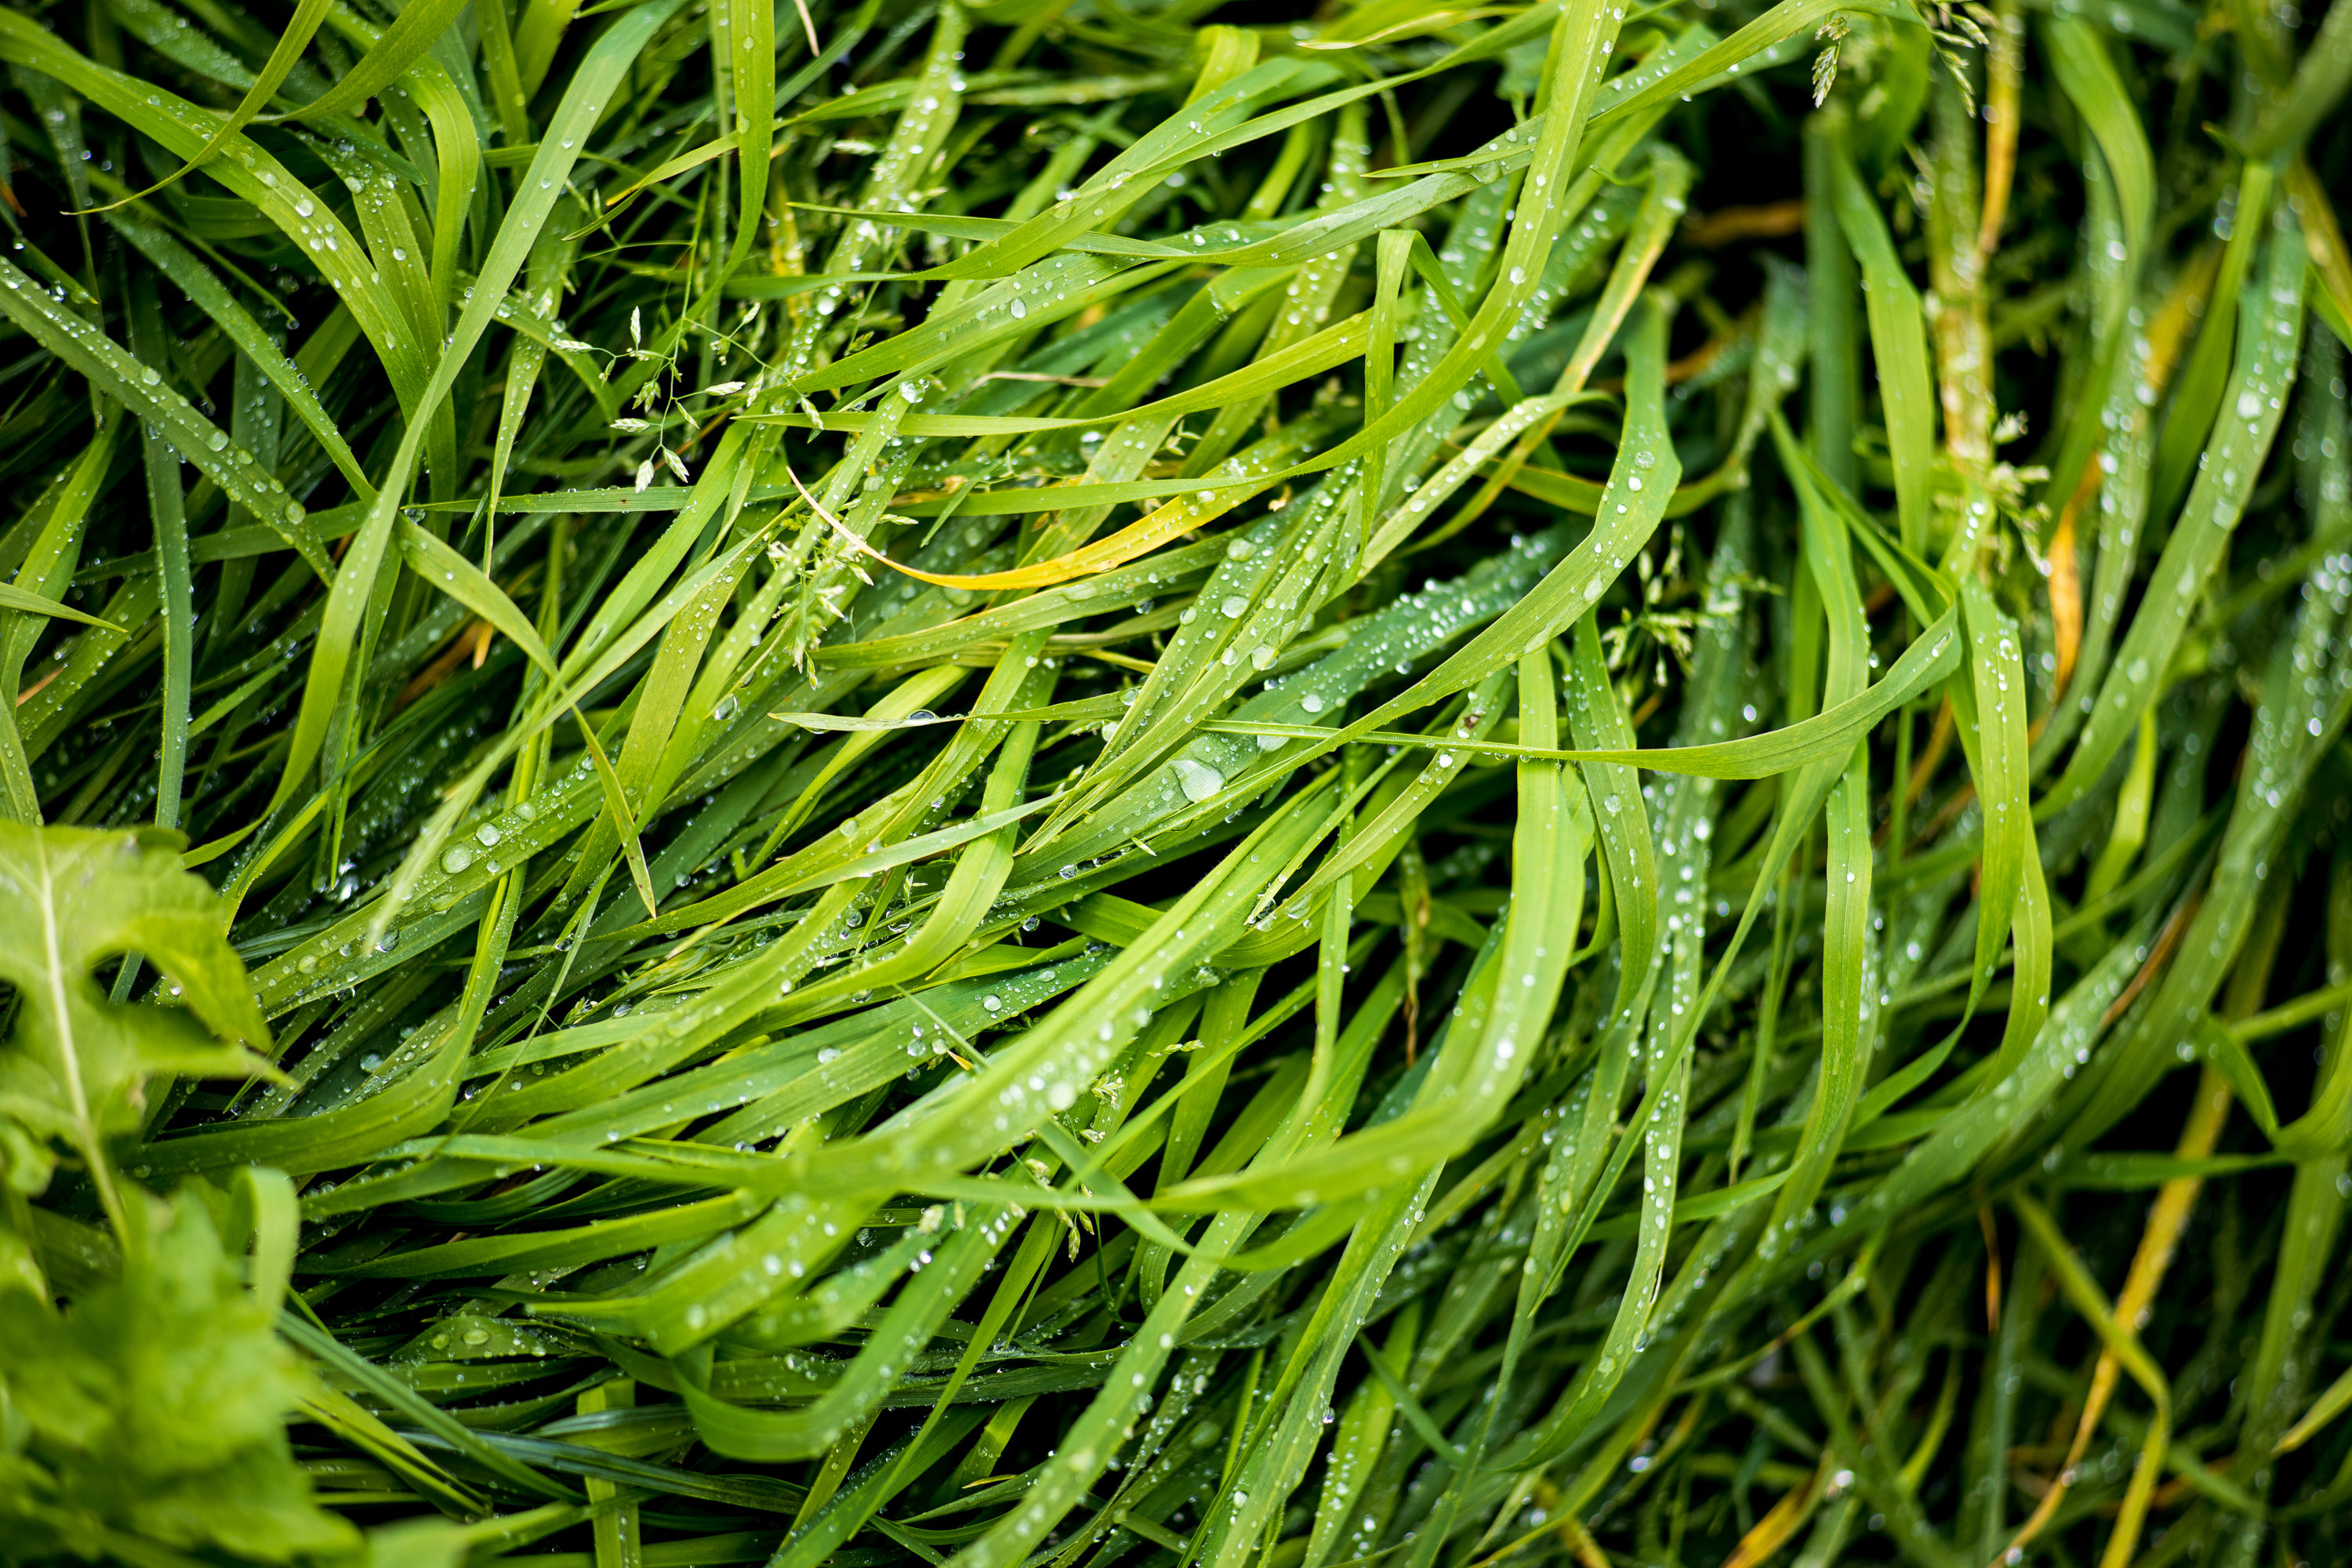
76 1063
150 1416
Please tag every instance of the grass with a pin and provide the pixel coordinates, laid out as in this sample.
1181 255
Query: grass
1060 782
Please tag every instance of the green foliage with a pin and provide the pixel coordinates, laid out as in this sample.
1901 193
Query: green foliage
152 1412
75 1065
1060 784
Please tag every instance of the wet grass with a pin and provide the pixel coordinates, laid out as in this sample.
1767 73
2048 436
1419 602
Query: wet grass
1064 783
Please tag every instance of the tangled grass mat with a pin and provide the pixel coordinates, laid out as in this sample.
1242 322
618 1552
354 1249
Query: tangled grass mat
1086 782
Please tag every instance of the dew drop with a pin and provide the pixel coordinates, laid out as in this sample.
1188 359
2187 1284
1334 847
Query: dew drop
1200 781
